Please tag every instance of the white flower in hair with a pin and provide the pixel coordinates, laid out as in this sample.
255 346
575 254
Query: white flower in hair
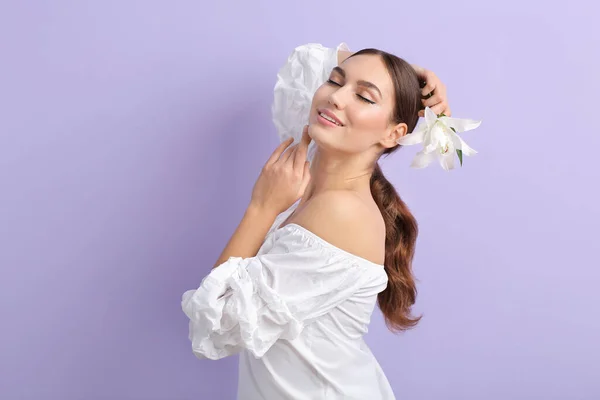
440 139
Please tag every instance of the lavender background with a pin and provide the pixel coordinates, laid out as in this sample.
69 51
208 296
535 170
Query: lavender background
131 134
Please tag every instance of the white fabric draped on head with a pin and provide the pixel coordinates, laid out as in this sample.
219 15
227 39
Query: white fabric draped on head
307 68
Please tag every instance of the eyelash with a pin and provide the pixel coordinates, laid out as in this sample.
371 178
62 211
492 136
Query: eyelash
358 95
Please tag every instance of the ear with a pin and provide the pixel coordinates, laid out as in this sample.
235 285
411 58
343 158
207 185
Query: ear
393 134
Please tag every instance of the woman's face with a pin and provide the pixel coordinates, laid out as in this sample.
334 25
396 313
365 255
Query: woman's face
359 96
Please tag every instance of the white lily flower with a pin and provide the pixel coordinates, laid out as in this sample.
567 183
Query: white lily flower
440 139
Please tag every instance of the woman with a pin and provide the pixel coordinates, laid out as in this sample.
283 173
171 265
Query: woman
295 287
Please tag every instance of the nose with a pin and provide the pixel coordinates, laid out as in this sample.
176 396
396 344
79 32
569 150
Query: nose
336 99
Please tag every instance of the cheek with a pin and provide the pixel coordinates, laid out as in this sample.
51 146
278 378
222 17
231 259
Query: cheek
368 118
319 98
321 95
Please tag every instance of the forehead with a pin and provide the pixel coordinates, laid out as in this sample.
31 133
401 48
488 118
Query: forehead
368 67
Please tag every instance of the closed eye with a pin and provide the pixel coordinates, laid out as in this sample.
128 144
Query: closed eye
331 81
365 99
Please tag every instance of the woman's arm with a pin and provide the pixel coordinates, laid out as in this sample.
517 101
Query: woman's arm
281 182
249 235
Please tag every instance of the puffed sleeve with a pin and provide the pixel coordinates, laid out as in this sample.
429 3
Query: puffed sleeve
307 68
249 303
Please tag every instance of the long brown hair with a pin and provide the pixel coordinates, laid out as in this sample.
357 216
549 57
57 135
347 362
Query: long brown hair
401 227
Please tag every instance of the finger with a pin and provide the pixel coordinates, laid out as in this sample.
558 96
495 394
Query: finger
278 150
305 177
433 100
289 153
305 139
429 87
446 111
300 156
439 108
421 72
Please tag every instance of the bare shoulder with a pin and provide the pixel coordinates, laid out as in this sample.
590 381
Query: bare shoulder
347 221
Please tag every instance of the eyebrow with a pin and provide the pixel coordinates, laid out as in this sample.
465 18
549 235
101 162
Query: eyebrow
368 84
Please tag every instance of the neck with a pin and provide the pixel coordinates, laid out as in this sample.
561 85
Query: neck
339 172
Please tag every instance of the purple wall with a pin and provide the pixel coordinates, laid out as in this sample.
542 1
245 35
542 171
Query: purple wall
131 134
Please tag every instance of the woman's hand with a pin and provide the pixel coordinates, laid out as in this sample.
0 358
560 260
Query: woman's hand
284 178
434 92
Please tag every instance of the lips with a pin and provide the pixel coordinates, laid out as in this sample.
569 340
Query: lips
330 115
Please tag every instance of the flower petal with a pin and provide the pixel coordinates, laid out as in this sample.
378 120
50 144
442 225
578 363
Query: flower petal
460 144
422 160
447 160
416 137
430 117
433 139
460 125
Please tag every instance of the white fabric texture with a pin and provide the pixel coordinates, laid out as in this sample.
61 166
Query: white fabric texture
297 311
307 68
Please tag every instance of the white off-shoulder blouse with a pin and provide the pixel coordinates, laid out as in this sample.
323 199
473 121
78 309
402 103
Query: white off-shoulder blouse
297 311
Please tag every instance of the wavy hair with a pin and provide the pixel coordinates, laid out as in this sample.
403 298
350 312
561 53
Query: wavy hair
401 226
